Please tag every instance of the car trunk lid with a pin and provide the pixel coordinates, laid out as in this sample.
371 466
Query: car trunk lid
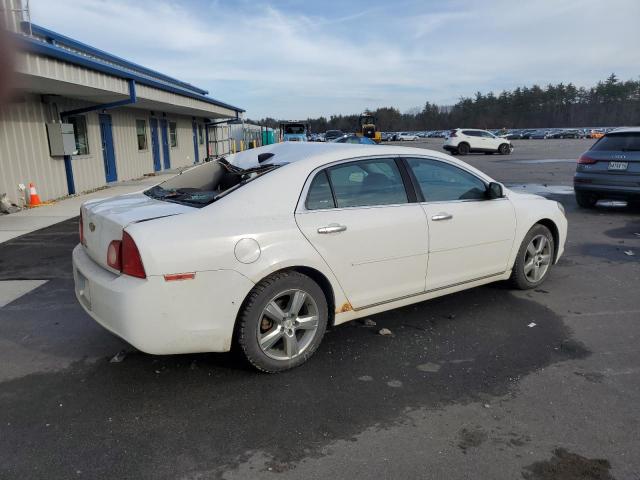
104 220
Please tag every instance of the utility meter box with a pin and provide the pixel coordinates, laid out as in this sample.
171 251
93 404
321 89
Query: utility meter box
62 141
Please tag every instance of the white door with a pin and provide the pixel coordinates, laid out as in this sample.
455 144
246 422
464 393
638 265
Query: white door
361 223
470 236
491 141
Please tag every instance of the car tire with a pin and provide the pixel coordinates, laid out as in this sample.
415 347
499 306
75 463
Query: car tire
463 149
529 269
271 345
586 200
504 149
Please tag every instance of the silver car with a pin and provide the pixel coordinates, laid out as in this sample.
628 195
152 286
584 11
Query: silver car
610 169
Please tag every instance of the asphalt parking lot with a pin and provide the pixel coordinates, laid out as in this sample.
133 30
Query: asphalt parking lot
486 383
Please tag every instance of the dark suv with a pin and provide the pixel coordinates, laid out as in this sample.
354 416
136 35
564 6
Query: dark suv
610 169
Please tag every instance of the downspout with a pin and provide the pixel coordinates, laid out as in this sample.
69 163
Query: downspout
71 188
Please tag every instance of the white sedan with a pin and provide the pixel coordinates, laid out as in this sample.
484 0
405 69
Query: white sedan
268 248
407 137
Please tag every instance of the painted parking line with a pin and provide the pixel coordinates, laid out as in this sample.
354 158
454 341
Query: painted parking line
11 290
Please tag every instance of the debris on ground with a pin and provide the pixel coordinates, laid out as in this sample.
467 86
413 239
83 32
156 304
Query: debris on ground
118 357
394 383
6 206
384 332
531 325
367 322
365 378
429 367
630 253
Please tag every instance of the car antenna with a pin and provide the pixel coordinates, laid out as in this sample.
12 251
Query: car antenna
263 157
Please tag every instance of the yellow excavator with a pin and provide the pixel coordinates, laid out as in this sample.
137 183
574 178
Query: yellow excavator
368 127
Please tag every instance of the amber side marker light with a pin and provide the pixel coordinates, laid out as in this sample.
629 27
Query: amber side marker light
179 276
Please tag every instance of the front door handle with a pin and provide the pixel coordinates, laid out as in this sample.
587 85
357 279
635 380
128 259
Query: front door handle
442 216
333 228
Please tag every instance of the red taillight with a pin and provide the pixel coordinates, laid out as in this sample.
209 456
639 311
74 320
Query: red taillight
123 255
131 260
453 133
81 229
114 254
586 159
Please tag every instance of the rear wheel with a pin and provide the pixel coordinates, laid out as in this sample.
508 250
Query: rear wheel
504 149
586 200
463 149
282 322
534 259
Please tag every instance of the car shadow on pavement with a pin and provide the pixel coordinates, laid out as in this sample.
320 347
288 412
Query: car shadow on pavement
166 416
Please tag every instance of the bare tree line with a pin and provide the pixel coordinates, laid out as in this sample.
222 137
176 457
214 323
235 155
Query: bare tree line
610 102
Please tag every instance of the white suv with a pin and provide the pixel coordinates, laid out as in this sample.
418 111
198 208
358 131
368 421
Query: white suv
467 140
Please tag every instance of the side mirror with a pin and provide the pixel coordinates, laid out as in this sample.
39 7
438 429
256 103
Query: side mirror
494 190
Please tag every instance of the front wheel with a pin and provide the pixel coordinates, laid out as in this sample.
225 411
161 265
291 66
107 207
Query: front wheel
504 149
282 322
535 258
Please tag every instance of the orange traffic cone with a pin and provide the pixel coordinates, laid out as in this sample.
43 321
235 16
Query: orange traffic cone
34 198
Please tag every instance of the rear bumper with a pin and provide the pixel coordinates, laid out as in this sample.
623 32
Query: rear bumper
611 186
160 317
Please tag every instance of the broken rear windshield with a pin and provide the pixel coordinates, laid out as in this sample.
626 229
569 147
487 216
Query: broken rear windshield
203 185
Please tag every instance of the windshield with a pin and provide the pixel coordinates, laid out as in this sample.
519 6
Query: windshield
622 142
295 129
203 185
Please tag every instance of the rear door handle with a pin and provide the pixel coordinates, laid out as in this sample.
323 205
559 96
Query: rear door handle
441 216
333 228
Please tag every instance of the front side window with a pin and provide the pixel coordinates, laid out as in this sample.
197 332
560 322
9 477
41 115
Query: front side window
141 133
366 183
79 123
442 182
173 134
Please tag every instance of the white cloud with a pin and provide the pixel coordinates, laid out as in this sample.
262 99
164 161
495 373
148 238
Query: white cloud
284 63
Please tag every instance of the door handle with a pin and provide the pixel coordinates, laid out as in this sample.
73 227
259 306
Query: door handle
333 228
442 216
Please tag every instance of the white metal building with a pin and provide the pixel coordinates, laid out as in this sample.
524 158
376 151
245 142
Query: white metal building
127 120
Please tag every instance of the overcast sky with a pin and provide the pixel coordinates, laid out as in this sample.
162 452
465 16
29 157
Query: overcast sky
304 58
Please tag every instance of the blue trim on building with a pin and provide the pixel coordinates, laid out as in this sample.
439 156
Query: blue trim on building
68 170
60 53
56 38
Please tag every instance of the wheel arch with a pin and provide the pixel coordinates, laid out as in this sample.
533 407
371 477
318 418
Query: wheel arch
555 233
316 275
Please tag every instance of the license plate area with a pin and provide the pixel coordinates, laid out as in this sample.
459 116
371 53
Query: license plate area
618 165
82 287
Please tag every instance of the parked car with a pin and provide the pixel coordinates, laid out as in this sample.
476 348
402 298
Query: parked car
513 135
385 136
610 169
468 140
332 135
526 134
354 139
272 246
406 137
539 134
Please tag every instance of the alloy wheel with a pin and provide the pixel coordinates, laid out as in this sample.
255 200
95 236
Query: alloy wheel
288 324
537 258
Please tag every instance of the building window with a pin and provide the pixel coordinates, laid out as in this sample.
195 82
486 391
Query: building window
173 134
200 135
79 123
141 133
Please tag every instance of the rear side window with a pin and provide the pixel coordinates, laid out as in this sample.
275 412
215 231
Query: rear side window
442 182
320 196
357 184
622 142
369 182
